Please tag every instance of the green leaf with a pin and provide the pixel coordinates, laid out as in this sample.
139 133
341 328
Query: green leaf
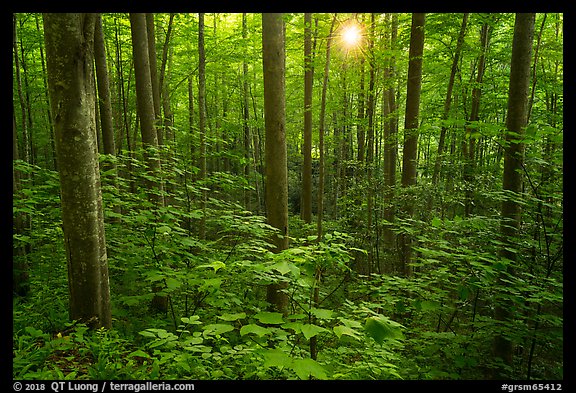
275 357
254 329
216 265
436 222
193 320
216 329
309 330
322 313
273 318
381 328
305 368
140 353
341 330
232 317
284 267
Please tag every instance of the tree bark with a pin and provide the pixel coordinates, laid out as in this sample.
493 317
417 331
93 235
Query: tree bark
145 104
409 159
390 135
321 132
306 212
69 42
273 52
103 89
448 100
517 115
202 118
150 32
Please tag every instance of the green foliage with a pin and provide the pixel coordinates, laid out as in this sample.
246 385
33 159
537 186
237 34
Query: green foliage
348 296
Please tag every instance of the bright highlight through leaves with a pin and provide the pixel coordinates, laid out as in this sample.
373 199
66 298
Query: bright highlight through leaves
351 35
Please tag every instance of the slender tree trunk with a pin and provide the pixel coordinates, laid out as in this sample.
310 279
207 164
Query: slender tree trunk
246 116
469 142
145 104
202 118
21 98
103 89
69 42
150 32
306 212
48 111
511 213
370 151
409 159
20 267
390 136
273 53
448 100
321 133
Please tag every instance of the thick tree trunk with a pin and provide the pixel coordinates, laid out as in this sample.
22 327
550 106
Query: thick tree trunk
273 50
69 39
513 162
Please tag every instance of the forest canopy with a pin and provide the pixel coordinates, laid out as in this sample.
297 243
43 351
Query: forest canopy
245 196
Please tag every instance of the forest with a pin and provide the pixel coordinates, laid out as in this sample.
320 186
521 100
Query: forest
297 196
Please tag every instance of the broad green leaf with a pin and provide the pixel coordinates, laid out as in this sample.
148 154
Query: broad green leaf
232 317
276 357
193 320
309 330
345 330
296 326
216 265
273 318
172 283
436 222
305 368
381 328
216 328
254 329
322 313
284 267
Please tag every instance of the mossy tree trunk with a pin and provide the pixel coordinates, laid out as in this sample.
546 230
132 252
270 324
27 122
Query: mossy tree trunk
69 52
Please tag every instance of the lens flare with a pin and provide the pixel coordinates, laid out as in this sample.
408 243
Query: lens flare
351 35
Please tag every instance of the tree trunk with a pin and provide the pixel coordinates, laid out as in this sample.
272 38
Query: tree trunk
409 159
103 89
150 32
321 132
202 118
306 212
448 100
273 52
390 136
469 142
513 162
246 116
69 44
145 104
